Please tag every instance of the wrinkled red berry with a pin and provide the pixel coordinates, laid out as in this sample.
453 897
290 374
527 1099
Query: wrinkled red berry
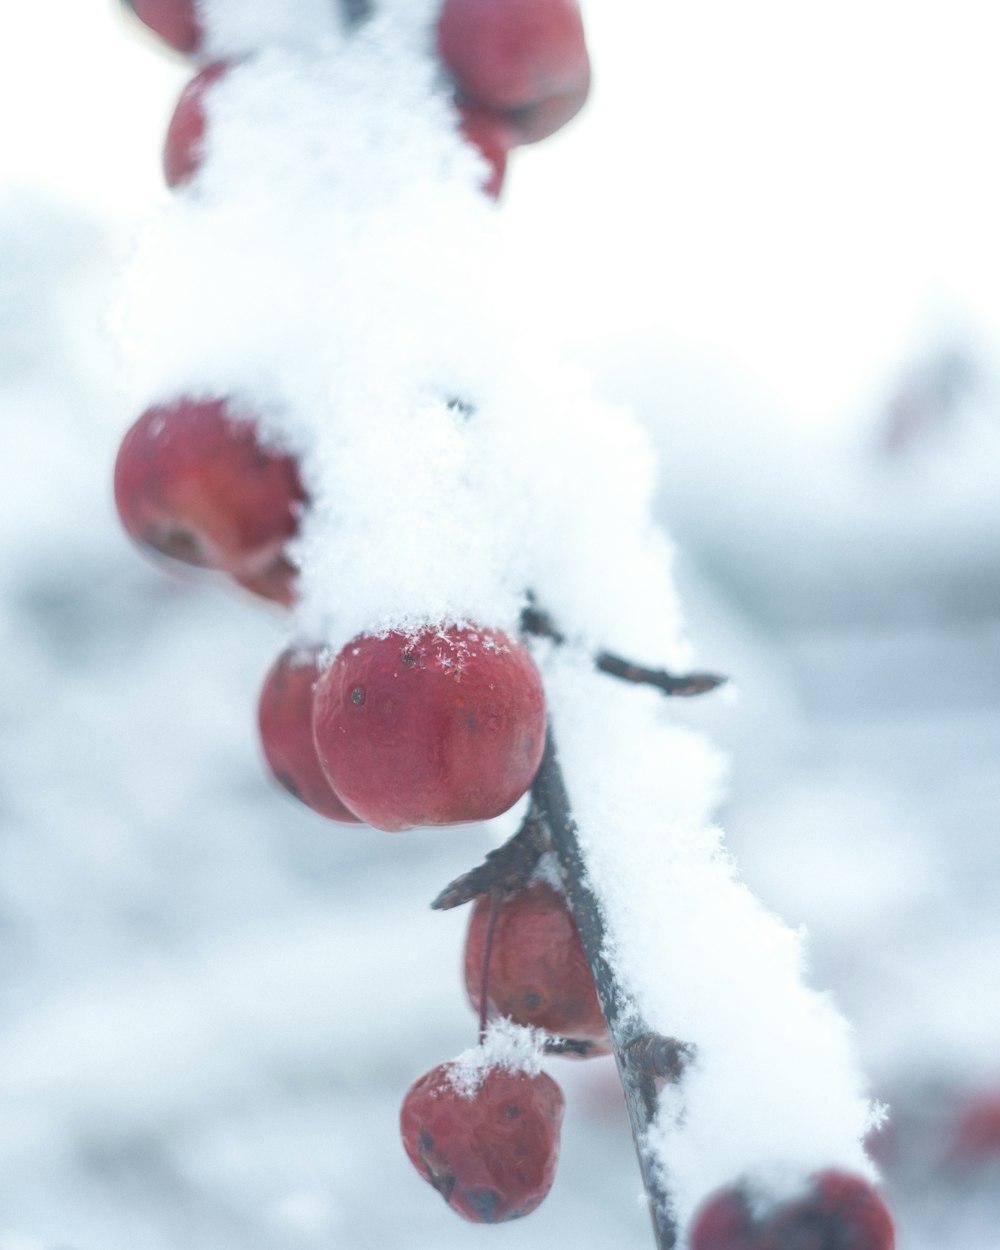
193 482
841 1212
183 149
538 974
492 1154
284 715
439 727
175 21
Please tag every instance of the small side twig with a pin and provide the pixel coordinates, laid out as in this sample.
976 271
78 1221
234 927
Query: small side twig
504 870
539 623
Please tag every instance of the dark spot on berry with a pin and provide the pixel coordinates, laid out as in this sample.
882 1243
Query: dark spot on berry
442 1179
357 696
484 1202
532 1000
178 544
512 1111
409 659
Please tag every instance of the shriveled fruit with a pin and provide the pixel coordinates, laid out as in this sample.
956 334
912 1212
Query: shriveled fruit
194 482
438 727
538 974
284 715
840 1212
491 1154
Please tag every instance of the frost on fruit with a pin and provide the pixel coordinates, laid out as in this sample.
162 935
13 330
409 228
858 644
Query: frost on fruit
484 1131
439 727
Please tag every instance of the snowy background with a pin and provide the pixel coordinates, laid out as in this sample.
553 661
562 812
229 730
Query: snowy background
769 235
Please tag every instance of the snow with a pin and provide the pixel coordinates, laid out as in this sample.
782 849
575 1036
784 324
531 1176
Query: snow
505 1045
211 1000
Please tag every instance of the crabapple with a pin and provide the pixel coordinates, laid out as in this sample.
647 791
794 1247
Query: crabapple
975 1136
184 144
194 482
840 1212
492 1153
438 727
493 136
175 21
538 974
509 54
284 716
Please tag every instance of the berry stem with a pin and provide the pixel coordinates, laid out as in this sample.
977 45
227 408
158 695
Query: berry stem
484 974
629 1034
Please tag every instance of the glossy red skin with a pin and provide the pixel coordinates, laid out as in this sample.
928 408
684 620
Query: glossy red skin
842 1212
175 21
494 137
437 728
183 149
509 54
284 717
492 1156
193 482
538 974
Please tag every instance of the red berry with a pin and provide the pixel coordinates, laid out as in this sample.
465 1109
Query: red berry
175 21
490 1154
438 727
508 54
724 1222
192 481
284 715
538 974
975 1135
183 149
494 137
841 1212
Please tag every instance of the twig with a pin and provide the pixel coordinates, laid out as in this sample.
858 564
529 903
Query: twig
538 622
505 870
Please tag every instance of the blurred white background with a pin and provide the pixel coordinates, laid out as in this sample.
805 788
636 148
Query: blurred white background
772 234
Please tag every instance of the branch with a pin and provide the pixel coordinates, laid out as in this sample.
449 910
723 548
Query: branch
641 1055
538 622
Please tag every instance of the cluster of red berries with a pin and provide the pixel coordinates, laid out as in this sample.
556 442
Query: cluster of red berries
439 726
519 69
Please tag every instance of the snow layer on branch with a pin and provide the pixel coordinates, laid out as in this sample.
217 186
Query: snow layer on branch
335 266
775 1090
